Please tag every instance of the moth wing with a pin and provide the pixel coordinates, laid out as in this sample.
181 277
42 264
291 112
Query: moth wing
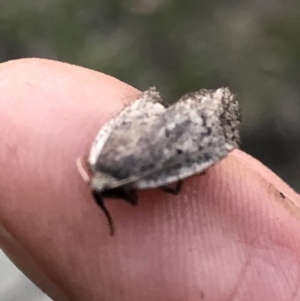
191 135
149 103
219 114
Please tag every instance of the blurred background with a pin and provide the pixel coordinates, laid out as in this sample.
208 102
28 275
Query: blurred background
251 46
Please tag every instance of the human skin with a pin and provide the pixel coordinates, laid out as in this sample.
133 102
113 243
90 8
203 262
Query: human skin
231 234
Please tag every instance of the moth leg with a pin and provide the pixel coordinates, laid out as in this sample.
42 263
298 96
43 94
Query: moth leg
128 195
99 200
173 190
202 173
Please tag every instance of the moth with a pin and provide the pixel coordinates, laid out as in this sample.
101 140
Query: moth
149 144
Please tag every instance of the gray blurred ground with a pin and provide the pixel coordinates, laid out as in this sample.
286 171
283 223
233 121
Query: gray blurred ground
14 286
251 46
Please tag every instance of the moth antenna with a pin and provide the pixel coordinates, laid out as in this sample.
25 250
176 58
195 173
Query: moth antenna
82 171
100 203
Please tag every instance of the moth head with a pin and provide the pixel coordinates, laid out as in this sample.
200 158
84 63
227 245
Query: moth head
102 181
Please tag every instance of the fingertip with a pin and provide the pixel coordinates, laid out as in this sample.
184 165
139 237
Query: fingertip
50 114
